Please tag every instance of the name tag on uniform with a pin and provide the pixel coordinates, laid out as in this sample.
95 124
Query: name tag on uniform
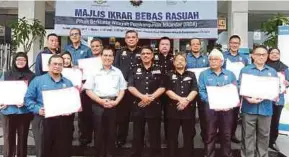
156 72
187 78
137 55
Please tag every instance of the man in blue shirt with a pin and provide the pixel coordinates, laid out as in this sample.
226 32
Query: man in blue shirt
197 60
53 136
216 119
81 51
52 48
256 112
233 56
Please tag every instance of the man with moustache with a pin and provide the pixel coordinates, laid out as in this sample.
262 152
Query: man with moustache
81 51
125 60
146 85
106 89
53 136
182 89
197 60
52 48
233 56
165 61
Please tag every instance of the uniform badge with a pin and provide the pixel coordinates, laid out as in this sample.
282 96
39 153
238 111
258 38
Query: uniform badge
269 74
156 57
137 55
174 77
156 72
123 53
226 77
81 52
240 58
204 61
64 85
187 78
138 71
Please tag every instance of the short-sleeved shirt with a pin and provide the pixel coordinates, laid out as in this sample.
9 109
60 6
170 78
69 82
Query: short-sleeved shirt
182 85
146 81
106 83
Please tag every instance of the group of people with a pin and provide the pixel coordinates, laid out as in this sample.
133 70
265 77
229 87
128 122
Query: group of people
136 84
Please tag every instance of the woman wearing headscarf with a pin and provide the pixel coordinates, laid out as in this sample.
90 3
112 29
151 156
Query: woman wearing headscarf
16 117
274 62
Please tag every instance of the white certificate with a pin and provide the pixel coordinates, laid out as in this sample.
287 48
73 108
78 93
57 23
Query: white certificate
197 71
12 92
282 80
45 59
235 67
223 97
262 87
61 101
74 75
89 66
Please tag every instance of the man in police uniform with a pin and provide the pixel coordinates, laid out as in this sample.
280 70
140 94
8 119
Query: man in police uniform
197 60
182 89
165 60
146 85
106 88
125 60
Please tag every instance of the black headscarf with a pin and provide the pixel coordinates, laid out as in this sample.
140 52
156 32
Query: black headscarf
277 65
19 73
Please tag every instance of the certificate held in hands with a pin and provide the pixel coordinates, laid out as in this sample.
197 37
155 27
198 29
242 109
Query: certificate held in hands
61 102
223 97
12 92
89 66
45 59
261 87
197 71
74 75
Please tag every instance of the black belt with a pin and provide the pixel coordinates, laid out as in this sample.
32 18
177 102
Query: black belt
108 97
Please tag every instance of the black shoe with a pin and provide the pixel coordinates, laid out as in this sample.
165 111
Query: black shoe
235 139
274 147
84 142
119 144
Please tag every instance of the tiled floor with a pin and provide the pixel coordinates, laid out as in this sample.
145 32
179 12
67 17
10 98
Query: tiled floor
283 141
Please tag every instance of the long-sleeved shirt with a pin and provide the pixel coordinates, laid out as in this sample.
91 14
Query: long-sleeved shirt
210 78
265 107
33 99
81 52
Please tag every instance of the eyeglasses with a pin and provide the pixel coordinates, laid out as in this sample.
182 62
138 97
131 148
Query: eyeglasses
259 54
21 60
146 54
74 34
214 59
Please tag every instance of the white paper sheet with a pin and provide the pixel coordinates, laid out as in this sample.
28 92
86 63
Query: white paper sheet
197 71
12 92
45 59
61 101
281 80
262 87
235 67
223 97
89 66
74 75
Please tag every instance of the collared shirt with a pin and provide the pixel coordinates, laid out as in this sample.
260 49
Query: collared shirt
38 63
33 99
264 107
165 62
146 81
81 52
106 83
210 78
182 85
197 62
125 60
237 58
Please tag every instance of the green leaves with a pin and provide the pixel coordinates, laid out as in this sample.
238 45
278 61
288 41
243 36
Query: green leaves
25 32
271 29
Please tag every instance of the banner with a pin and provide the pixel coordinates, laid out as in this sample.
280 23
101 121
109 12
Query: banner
283 39
152 19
